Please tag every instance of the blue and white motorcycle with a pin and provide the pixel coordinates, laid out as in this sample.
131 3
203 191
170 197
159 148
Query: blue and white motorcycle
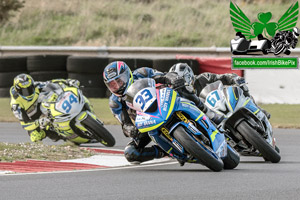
179 127
249 130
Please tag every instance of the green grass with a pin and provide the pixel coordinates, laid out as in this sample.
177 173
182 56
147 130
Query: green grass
185 23
40 151
282 115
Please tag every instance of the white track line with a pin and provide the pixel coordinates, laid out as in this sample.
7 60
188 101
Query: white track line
98 169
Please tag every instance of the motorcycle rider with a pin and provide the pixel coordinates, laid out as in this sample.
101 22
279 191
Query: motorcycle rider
288 38
118 77
25 105
200 81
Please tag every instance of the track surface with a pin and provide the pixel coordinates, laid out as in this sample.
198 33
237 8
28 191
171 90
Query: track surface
253 178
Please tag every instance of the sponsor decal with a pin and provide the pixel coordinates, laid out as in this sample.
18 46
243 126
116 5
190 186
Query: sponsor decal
165 106
146 123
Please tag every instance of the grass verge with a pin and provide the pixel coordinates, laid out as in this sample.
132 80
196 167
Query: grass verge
40 151
185 23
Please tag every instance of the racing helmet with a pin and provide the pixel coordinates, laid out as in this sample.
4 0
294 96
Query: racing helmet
117 77
24 86
296 31
185 71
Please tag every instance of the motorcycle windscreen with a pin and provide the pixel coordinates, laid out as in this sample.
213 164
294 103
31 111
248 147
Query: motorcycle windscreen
210 87
141 94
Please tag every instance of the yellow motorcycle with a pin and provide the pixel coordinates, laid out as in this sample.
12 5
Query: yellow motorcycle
68 112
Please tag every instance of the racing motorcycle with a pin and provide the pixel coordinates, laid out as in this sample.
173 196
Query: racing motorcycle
247 127
68 112
179 127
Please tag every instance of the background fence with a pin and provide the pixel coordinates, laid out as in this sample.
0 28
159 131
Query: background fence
87 64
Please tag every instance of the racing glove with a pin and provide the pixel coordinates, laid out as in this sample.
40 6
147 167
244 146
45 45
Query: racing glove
36 136
240 81
43 122
130 130
174 80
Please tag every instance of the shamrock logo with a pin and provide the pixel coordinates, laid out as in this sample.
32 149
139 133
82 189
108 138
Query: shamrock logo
241 22
260 27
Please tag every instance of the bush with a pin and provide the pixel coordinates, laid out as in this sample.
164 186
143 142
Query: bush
8 6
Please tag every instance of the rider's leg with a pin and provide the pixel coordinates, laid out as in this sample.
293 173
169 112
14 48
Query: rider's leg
136 152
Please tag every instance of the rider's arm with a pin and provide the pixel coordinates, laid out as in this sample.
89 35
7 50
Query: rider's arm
69 82
146 72
31 126
119 110
20 114
227 79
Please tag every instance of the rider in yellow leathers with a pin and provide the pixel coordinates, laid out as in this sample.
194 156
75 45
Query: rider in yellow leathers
25 105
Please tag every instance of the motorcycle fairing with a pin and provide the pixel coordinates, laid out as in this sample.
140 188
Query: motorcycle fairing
233 95
258 116
166 103
198 116
251 106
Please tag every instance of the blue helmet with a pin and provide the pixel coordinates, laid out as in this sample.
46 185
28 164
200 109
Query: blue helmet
117 77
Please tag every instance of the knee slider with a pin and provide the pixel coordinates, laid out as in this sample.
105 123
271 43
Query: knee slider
131 154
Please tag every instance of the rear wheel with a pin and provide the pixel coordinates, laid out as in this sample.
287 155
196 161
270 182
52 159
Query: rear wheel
197 151
258 142
100 133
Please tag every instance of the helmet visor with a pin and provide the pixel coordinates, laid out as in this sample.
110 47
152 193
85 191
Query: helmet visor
118 85
26 92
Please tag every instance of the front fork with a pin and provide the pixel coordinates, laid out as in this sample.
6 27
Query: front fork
170 145
82 116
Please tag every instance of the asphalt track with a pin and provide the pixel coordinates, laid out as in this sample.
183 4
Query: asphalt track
252 179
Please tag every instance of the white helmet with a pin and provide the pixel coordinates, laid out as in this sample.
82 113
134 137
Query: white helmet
185 71
296 31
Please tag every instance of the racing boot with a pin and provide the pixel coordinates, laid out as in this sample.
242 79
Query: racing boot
268 115
215 117
212 115
136 152
54 136
137 156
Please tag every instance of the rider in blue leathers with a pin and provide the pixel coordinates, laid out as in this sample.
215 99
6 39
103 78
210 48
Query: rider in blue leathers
118 77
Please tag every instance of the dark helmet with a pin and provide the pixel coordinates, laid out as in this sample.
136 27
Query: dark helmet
184 71
117 77
24 86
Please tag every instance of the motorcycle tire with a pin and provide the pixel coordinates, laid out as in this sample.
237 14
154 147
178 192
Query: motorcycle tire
258 142
100 133
196 150
279 49
277 149
232 159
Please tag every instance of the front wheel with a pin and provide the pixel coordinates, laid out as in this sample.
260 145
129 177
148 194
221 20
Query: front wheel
258 142
100 133
196 150
232 158
279 49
